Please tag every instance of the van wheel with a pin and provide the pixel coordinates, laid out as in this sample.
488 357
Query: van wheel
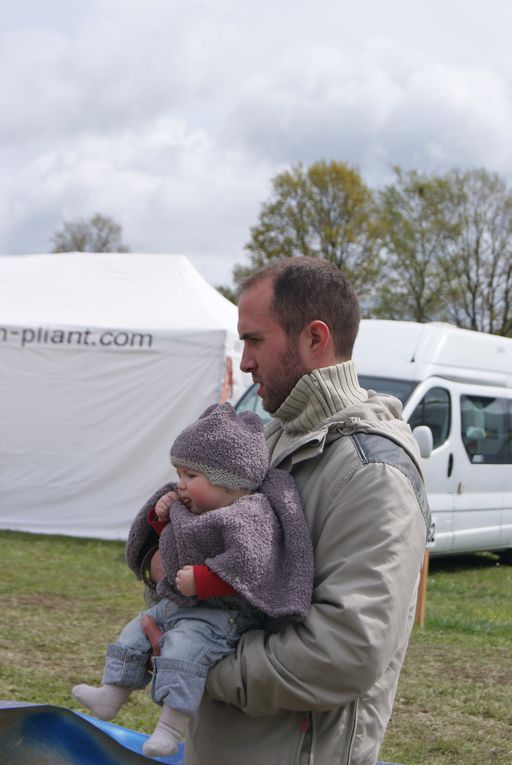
506 557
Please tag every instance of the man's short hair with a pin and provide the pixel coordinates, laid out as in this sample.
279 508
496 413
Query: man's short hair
308 289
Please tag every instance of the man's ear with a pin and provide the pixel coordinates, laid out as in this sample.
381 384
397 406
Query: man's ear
317 345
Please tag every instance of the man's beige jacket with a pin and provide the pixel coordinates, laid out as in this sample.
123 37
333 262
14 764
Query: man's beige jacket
321 692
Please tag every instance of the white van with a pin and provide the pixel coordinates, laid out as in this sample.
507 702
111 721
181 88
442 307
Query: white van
459 384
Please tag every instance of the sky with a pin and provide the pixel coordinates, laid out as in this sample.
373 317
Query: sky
173 116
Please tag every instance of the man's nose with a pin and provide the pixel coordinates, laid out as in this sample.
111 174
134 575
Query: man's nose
247 361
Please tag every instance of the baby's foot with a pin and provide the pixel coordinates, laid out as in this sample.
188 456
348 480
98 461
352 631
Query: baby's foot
169 731
104 702
161 744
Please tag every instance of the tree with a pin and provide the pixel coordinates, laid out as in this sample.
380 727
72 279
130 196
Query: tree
480 264
96 234
228 292
324 211
417 224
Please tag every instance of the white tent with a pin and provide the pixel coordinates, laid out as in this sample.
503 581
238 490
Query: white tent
104 358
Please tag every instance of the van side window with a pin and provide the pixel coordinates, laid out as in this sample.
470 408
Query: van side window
486 425
434 410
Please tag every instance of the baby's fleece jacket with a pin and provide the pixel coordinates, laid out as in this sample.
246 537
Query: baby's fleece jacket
260 545
208 584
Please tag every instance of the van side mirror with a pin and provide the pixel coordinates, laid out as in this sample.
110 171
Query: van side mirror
424 439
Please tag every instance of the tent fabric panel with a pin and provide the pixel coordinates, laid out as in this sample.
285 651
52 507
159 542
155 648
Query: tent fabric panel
111 290
88 455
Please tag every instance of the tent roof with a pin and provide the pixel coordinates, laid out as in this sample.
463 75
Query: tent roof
110 290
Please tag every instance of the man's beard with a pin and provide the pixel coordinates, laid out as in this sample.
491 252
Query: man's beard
286 376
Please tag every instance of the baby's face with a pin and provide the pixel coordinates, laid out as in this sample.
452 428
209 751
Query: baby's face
199 495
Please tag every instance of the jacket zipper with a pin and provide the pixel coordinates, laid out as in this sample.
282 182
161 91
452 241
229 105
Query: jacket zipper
312 747
352 731
305 724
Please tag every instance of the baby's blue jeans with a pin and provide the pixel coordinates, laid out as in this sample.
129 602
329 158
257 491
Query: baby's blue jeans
196 637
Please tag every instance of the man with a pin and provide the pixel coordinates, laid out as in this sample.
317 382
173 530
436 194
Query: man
322 691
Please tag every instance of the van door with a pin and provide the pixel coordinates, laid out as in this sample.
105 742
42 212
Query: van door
485 463
431 404
466 474
506 518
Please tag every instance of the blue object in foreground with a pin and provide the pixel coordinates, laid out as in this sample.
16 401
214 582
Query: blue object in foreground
47 735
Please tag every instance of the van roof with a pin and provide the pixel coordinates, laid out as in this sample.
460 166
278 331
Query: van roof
414 351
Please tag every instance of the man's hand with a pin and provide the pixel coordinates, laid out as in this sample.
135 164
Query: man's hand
153 633
163 505
185 581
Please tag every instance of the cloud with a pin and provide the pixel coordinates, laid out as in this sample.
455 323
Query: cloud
173 116
170 186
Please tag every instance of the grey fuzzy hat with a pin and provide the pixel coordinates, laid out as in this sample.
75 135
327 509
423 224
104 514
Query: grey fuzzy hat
228 447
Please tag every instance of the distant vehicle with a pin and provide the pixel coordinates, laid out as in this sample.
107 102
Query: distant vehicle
251 402
458 383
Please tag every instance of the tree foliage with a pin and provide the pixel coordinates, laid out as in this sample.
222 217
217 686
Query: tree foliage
324 211
96 234
480 262
417 226
426 247
228 293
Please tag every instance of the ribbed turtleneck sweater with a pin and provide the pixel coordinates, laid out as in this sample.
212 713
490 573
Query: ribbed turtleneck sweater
317 396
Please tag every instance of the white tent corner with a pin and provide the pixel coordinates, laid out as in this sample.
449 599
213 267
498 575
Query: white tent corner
104 358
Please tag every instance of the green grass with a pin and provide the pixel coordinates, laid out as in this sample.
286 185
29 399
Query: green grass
62 600
454 701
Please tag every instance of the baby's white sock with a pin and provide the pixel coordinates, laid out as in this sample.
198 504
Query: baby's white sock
169 731
105 702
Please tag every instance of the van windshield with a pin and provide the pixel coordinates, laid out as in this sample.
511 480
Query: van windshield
402 389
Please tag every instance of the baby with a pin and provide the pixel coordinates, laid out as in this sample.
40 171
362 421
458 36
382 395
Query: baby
234 546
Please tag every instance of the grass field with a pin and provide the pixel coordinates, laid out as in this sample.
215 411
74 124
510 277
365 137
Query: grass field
62 600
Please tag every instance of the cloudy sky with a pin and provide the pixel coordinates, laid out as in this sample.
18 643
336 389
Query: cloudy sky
172 116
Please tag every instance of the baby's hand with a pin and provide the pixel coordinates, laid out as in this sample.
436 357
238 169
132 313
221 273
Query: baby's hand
185 581
163 505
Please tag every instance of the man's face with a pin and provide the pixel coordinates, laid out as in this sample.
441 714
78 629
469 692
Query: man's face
270 355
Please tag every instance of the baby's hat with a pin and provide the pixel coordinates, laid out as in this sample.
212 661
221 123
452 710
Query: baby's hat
228 447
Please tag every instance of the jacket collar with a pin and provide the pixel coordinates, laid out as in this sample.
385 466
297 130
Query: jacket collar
302 419
318 395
